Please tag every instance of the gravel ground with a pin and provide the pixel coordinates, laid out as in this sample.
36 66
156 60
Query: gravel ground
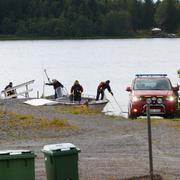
111 148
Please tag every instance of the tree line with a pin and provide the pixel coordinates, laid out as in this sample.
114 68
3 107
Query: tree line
86 18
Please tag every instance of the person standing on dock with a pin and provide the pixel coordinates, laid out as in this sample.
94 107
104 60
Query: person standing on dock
10 92
57 87
101 88
76 91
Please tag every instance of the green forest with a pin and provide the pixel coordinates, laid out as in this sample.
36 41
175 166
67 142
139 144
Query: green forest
87 18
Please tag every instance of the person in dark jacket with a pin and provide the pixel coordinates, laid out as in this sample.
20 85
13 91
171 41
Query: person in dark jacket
101 88
57 87
10 92
76 91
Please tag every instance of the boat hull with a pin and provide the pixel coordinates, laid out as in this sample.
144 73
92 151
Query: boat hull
88 101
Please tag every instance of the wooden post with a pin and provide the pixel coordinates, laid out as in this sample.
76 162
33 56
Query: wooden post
37 94
27 94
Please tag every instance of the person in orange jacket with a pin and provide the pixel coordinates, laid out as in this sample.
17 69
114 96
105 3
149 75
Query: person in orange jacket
101 88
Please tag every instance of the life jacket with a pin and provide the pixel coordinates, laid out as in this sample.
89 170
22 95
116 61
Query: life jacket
102 85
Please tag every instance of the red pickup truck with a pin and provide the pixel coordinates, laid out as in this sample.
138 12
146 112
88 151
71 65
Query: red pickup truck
153 89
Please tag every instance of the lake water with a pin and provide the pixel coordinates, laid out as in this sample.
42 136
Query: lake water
89 61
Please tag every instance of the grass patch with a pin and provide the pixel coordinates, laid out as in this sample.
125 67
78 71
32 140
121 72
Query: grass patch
23 116
83 109
38 123
157 121
114 117
29 121
15 126
54 123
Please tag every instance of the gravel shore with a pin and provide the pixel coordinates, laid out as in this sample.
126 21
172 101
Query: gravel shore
111 147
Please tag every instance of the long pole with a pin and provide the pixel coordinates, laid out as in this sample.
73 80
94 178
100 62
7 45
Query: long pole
47 76
43 95
150 142
118 104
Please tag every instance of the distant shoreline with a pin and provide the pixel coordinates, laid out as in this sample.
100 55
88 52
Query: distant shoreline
30 37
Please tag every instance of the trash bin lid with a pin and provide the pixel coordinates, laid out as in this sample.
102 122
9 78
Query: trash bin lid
62 147
14 152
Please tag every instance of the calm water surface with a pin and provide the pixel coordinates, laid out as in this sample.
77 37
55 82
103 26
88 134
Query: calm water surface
89 61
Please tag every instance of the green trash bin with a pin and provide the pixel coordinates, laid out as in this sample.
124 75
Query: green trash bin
61 161
17 165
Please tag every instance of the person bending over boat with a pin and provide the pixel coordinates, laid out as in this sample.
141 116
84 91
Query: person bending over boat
101 88
10 92
76 91
57 87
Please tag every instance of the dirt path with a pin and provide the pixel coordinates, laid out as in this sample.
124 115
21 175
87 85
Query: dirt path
111 148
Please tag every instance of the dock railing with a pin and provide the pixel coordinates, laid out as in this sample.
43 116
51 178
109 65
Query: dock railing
24 93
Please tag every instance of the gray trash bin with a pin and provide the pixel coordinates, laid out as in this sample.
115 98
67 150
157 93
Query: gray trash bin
61 161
